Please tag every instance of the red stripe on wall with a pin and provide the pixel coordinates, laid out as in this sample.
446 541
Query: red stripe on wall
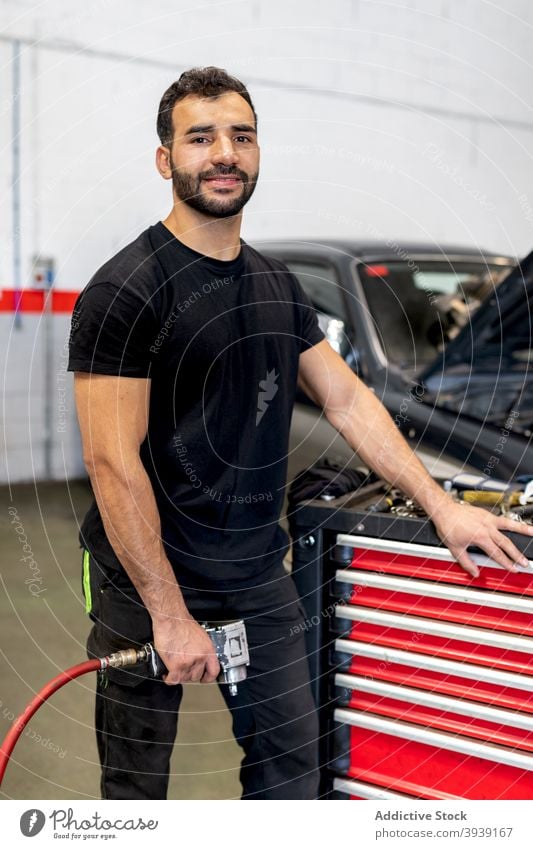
32 300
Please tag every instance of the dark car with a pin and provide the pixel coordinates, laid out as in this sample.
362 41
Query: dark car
442 335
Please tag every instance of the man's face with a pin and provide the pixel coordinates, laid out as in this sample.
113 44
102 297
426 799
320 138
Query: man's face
214 154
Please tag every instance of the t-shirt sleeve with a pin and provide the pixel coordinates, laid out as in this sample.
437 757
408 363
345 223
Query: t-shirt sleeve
111 332
310 332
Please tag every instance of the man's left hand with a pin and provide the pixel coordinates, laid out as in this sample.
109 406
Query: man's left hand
461 525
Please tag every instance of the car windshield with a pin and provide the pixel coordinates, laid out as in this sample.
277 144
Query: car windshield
418 307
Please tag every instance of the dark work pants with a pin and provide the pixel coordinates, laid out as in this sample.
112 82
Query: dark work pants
274 717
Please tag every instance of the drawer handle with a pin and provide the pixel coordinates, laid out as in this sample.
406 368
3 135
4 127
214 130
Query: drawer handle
478 710
365 791
449 592
484 674
439 739
435 628
433 552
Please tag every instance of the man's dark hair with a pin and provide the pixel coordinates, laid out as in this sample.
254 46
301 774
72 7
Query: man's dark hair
203 82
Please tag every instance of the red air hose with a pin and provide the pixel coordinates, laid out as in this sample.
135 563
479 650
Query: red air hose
18 726
122 657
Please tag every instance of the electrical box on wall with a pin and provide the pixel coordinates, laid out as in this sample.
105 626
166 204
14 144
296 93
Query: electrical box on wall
43 272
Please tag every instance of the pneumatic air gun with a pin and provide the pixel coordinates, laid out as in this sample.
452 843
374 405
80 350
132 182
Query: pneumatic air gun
231 649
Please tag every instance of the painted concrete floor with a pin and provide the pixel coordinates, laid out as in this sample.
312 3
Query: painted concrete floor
43 628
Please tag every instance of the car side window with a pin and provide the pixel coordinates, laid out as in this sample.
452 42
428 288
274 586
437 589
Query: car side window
320 283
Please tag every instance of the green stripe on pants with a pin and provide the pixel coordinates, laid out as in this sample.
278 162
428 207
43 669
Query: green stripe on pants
87 582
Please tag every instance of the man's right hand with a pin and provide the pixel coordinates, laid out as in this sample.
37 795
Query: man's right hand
185 649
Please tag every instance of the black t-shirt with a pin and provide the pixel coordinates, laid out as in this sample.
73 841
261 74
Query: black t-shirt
220 341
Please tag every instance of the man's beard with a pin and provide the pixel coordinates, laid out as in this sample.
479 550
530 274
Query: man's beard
188 189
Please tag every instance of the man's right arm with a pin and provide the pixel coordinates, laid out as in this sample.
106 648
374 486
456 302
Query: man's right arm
113 418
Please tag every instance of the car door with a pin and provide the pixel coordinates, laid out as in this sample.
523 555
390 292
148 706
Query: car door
312 436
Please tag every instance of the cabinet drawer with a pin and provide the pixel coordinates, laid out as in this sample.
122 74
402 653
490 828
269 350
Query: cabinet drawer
433 563
454 678
438 600
408 758
443 639
434 710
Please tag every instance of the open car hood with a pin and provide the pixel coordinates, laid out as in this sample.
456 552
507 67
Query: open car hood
499 334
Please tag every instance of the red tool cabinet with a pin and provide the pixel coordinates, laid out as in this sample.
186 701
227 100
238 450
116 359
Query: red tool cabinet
423 676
